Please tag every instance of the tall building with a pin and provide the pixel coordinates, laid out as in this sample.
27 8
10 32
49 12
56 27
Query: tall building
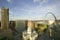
4 18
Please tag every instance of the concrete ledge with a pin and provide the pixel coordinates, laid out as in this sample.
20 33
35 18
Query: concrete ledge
6 33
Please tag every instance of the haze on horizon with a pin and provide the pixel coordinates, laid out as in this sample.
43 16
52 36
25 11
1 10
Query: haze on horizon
31 9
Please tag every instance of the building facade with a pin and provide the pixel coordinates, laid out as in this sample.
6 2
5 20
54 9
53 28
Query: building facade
4 18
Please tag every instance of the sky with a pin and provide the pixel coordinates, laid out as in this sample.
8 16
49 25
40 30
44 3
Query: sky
31 9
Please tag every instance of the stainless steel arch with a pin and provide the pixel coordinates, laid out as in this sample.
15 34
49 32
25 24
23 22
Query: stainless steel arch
52 15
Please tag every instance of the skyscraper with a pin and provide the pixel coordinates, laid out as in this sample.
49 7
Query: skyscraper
4 18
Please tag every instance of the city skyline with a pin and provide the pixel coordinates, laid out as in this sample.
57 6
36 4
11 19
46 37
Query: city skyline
31 9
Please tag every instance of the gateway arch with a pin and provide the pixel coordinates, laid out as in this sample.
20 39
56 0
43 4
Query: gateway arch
53 16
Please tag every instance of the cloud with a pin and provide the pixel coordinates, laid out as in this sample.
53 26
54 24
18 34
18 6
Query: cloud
0 9
40 1
36 0
11 15
9 1
36 12
42 10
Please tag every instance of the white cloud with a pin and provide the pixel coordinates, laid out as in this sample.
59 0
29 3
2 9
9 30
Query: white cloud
42 10
40 1
9 1
37 12
0 9
36 0
45 1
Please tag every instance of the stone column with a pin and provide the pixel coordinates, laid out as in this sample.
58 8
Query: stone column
31 25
